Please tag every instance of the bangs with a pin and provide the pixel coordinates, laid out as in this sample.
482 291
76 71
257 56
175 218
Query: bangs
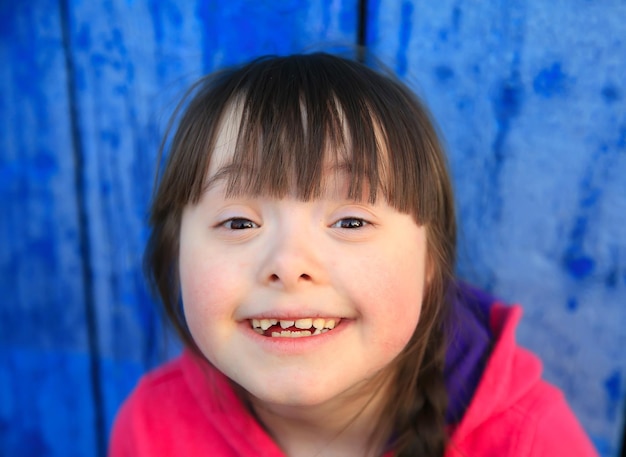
297 117
297 124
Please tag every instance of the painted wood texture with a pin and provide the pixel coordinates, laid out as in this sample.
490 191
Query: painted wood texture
45 383
532 111
87 89
530 97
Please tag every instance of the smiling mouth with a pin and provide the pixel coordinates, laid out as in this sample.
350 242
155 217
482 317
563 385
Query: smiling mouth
299 328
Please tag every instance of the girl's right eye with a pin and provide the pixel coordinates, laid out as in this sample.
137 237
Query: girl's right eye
350 223
239 223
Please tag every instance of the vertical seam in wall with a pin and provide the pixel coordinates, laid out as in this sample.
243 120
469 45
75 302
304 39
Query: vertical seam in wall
623 444
83 232
362 31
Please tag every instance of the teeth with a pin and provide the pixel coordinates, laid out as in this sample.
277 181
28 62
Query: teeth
317 325
304 323
288 334
265 324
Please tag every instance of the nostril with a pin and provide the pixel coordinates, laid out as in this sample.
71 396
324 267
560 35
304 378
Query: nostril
279 279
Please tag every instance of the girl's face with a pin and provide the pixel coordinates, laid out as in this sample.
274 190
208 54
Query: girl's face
296 301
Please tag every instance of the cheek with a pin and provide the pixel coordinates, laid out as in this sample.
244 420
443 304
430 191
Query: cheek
392 295
401 314
207 287
399 278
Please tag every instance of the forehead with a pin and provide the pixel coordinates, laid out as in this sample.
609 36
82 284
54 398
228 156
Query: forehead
225 144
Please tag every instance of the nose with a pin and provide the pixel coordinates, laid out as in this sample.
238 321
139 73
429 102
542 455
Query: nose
292 260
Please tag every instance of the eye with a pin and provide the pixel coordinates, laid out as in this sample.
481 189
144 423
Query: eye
239 223
350 223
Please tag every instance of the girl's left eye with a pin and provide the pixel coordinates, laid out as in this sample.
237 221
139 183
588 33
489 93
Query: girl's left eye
239 223
350 223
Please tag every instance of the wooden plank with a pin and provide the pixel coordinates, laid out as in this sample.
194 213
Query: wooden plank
46 399
132 62
532 111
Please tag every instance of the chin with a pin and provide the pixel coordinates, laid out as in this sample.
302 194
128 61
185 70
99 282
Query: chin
291 392
300 396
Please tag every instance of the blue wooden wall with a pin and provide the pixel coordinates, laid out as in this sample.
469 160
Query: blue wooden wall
529 95
531 99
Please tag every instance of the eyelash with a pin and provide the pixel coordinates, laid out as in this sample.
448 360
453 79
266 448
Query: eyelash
360 223
228 224
348 223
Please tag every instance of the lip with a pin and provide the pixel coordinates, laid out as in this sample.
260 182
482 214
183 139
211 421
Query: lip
293 346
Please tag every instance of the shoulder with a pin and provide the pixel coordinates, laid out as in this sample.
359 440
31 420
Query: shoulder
514 412
166 383
187 408
538 424
158 394
163 416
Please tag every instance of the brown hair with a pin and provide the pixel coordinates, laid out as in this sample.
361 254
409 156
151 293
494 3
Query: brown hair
294 110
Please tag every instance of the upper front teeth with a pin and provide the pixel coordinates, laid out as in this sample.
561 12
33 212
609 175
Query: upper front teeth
302 324
264 323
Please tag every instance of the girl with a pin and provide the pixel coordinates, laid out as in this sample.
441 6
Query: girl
303 244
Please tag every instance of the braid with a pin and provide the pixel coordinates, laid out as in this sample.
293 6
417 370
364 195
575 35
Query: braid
418 400
420 423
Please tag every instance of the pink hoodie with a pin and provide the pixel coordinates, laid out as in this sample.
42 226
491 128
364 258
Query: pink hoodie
513 411
186 408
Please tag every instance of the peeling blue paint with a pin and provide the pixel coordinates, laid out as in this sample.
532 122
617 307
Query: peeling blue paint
25 441
578 262
610 93
613 389
621 137
443 73
506 104
457 16
111 138
509 93
578 265
575 261
404 37
550 81
610 279
347 19
83 38
45 164
508 100
572 304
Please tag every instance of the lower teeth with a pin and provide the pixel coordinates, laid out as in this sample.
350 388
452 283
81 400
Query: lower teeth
288 334
297 334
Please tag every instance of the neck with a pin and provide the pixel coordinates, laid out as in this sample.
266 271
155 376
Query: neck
343 426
